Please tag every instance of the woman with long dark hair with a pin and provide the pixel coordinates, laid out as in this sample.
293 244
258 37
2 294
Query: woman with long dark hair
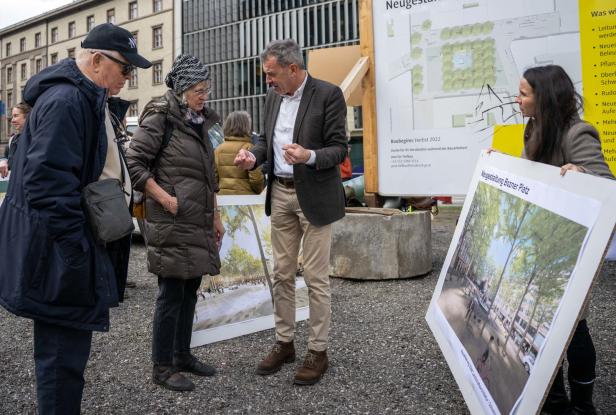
556 135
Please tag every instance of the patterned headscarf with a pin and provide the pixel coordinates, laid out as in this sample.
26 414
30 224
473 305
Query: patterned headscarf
186 72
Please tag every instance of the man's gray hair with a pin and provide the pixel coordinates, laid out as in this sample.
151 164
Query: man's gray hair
285 51
83 56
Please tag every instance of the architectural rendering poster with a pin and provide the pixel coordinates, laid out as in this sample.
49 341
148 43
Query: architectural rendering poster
238 301
447 73
521 262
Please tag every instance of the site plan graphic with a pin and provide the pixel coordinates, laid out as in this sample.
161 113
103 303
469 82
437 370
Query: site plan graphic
447 75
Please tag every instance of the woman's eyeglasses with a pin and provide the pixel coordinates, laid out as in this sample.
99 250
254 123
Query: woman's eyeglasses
202 92
127 68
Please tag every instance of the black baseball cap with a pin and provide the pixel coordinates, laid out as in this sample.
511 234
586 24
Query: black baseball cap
108 36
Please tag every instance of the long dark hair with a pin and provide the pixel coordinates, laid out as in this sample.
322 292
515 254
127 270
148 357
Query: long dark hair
556 105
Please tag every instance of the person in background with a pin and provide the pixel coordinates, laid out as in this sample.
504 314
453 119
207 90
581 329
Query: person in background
346 170
184 230
231 179
19 115
556 135
53 271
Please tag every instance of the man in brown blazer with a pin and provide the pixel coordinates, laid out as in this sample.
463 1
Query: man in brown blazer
304 142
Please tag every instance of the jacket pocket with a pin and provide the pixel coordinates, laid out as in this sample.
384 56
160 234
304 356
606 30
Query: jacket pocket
327 174
67 277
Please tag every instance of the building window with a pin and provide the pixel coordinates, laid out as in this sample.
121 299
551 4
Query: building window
9 101
8 49
157 6
111 16
72 30
133 109
89 22
9 74
54 58
157 37
71 53
38 65
22 44
132 10
157 73
54 35
37 40
24 71
133 81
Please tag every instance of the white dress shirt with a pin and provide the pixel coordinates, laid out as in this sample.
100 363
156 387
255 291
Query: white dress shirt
283 131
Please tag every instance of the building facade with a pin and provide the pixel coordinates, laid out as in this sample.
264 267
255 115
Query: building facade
29 46
228 35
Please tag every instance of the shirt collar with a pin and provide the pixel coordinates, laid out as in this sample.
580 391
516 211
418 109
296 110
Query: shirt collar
299 92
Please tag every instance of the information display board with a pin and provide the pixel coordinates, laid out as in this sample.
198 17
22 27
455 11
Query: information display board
522 259
447 73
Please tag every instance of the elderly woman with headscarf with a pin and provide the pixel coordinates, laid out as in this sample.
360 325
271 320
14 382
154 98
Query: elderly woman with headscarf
171 160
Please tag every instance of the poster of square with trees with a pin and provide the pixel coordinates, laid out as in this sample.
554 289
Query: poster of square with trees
238 301
515 279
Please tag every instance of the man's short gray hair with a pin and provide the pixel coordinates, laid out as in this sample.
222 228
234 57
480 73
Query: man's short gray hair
83 56
285 51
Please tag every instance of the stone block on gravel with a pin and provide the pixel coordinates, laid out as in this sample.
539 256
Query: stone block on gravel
378 247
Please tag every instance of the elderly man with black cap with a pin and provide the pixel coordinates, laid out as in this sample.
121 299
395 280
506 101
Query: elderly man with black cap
171 160
53 270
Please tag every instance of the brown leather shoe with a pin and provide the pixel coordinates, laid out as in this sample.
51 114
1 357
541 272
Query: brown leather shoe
280 354
315 365
167 377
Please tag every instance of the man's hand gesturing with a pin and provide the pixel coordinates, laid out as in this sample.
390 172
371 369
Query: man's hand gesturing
244 160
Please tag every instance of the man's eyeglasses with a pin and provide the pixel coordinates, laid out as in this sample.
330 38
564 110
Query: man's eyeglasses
127 68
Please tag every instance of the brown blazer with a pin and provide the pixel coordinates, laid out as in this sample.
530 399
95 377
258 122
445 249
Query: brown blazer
319 126
580 145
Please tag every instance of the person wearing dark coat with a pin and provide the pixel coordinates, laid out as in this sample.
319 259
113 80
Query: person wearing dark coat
52 270
184 229
304 142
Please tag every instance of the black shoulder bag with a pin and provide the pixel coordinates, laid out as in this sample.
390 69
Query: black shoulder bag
104 204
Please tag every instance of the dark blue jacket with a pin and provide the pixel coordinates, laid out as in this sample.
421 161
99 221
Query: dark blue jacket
51 268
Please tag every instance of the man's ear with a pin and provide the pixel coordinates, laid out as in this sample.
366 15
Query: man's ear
96 61
294 68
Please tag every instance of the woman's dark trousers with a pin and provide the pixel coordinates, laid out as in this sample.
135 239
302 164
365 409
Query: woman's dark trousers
173 318
60 357
581 375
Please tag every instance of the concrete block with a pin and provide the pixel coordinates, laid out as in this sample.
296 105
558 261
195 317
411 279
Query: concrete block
377 247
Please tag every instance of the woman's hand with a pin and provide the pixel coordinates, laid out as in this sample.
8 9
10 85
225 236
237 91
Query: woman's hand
170 204
572 167
219 229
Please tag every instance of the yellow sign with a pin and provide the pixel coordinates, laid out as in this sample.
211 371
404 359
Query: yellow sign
598 39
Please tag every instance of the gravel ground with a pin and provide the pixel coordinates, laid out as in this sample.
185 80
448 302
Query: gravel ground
383 358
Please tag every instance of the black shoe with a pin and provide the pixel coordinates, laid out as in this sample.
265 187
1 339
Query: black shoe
192 365
168 378
557 401
581 398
